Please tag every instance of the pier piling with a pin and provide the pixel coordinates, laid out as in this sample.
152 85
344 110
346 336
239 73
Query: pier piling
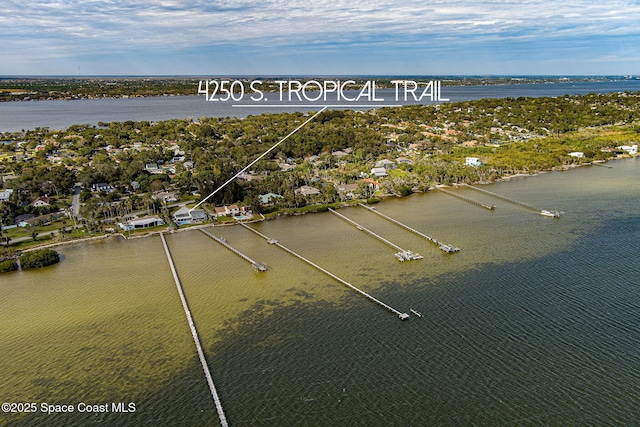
257 266
543 212
443 246
401 255
401 316
196 339
466 199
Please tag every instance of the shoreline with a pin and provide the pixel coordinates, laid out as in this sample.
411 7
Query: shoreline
505 178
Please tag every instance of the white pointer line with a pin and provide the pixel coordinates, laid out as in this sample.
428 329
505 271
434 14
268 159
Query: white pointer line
259 157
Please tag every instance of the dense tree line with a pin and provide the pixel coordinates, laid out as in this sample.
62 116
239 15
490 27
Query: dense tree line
510 135
39 258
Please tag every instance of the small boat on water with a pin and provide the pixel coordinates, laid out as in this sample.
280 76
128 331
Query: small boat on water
415 313
553 214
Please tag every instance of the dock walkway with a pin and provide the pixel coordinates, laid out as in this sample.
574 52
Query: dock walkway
402 254
466 199
257 266
401 316
443 246
196 338
543 212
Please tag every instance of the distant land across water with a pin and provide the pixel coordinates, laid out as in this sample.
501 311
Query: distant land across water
60 114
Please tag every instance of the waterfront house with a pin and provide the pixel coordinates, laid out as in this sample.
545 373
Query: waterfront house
577 154
221 211
140 223
269 198
631 149
234 210
186 216
372 184
347 191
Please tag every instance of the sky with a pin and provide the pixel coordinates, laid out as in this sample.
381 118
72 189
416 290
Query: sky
319 37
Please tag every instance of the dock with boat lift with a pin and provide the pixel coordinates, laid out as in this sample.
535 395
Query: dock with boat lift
401 316
402 254
196 339
443 246
257 266
466 199
543 212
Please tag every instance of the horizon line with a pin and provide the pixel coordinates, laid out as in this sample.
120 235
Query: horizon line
274 75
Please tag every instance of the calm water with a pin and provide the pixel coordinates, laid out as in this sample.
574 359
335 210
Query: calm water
534 322
15 116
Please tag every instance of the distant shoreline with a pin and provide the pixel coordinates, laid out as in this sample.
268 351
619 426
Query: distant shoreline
70 88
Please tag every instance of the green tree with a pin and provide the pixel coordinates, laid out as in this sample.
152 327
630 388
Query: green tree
39 258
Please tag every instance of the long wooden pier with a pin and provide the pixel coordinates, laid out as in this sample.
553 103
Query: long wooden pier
466 199
196 338
401 255
257 266
443 246
401 316
543 212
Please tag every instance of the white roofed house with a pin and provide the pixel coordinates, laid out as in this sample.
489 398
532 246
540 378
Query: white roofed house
385 163
379 172
140 223
184 215
5 195
631 149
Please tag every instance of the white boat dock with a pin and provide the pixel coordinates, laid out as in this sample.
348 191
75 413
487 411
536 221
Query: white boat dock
543 212
443 246
402 254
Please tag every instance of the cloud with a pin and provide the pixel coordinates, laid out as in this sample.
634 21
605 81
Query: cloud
69 28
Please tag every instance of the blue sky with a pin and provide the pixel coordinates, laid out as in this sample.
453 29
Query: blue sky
294 37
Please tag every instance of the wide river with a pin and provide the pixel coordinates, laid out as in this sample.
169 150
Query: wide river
59 114
534 322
